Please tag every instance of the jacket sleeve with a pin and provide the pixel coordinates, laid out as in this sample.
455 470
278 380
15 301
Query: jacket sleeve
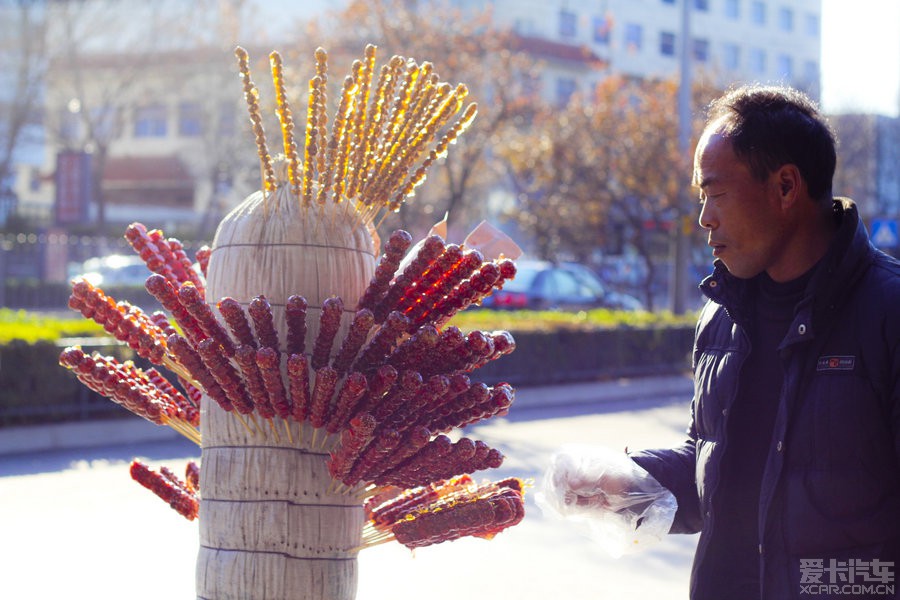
674 468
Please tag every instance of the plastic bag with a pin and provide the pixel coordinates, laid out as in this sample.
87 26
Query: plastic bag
625 508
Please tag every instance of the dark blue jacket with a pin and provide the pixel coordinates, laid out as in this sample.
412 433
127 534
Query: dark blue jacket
831 484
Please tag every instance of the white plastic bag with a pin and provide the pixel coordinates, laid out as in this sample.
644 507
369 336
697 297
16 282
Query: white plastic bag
625 508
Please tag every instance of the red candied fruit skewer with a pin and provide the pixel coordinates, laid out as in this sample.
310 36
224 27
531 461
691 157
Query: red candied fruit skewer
397 245
329 323
295 315
237 322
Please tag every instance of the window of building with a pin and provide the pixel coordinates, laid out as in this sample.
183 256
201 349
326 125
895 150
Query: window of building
785 67
701 5
812 24
565 88
733 9
758 12
811 72
227 119
602 27
731 56
701 50
190 119
785 19
150 121
524 26
634 34
667 43
758 61
668 1
568 24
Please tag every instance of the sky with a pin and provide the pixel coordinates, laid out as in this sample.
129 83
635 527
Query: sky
861 56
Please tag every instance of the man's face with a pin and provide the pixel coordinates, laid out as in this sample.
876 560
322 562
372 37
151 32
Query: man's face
742 214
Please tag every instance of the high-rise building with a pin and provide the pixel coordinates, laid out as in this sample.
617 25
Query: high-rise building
731 41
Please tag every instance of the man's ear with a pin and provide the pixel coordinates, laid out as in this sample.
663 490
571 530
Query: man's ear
789 183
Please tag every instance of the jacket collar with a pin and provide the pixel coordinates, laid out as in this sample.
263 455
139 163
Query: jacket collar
850 250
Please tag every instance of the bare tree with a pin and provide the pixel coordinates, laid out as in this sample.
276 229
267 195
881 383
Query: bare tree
464 47
606 165
100 52
22 67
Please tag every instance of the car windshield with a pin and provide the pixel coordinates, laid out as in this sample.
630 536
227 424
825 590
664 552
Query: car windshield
523 280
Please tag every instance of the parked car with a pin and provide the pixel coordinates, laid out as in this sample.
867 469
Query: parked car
540 285
114 270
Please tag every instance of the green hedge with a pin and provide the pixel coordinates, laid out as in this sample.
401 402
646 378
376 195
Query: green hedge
35 389
575 355
42 295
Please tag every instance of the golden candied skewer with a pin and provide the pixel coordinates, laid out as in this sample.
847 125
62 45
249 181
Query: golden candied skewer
347 133
251 94
363 116
321 114
398 66
438 152
287 122
329 176
311 147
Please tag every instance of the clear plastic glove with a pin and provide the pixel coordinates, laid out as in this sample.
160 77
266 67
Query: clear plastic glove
625 508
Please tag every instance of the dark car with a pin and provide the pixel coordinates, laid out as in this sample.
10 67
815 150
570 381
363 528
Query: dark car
542 285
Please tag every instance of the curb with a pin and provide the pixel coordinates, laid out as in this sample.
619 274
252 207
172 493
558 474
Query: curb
84 434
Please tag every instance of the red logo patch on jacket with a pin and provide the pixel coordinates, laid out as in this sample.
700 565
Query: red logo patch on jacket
836 363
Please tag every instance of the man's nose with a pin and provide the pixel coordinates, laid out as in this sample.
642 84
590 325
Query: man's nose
707 218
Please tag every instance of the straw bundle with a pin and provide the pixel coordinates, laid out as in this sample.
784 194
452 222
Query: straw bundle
269 529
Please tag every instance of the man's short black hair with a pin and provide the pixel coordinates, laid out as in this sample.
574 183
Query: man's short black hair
770 126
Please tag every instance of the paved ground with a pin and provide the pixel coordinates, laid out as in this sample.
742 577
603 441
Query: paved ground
74 525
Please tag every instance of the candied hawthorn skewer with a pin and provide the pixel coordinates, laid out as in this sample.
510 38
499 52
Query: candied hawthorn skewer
481 516
177 495
352 390
382 343
245 357
329 323
202 255
411 351
431 248
237 322
192 300
192 476
397 245
127 323
269 362
261 313
298 384
167 295
404 392
424 308
359 432
191 361
422 286
363 321
380 383
295 315
320 400
225 375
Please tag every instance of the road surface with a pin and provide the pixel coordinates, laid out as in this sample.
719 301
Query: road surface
74 525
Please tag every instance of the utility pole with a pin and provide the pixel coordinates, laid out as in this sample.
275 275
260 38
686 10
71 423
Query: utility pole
682 226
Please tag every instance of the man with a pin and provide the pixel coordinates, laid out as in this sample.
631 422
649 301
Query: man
791 471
